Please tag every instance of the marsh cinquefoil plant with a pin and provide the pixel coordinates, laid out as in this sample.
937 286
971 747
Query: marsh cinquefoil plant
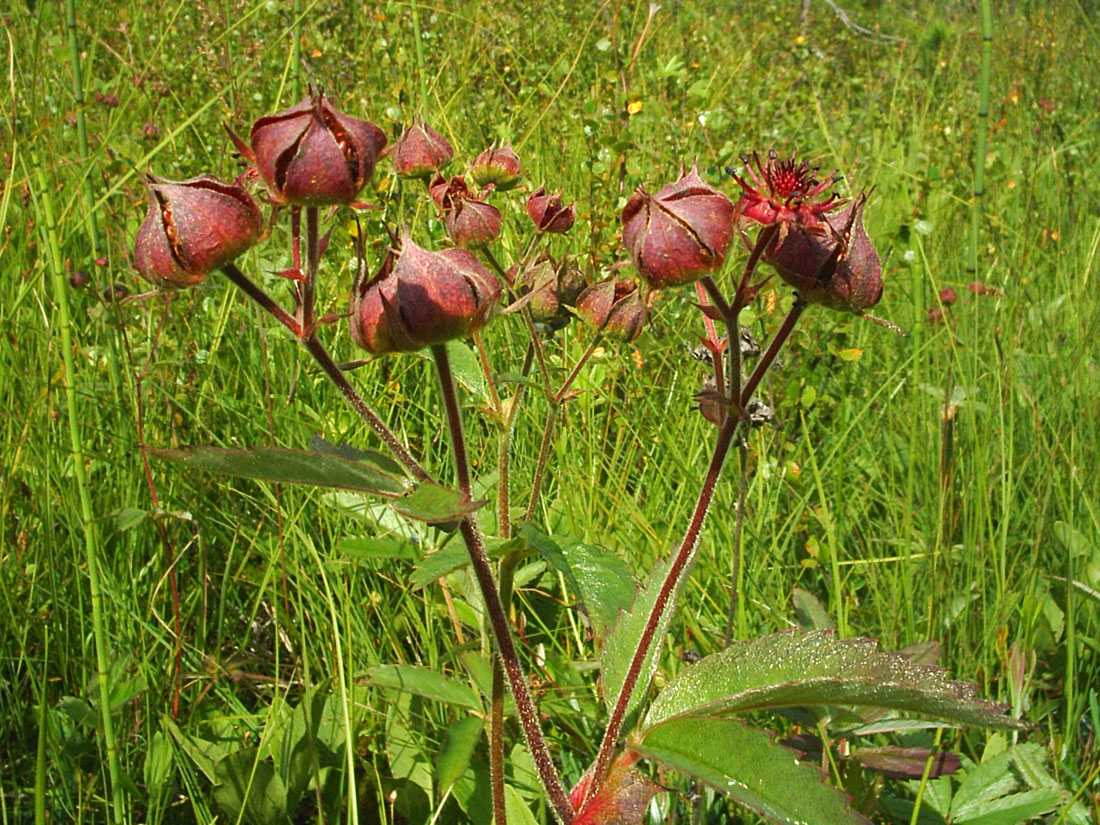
312 156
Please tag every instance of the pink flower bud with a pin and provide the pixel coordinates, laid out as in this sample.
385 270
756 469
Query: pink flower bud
313 154
547 212
421 151
499 167
420 298
192 228
616 308
680 234
837 267
948 296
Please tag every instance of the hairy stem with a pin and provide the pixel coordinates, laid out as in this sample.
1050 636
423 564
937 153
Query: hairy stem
313 257
498 619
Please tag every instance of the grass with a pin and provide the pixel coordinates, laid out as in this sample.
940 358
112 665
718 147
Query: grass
940 486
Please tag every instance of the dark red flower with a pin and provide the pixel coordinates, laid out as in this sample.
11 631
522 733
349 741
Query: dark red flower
680 234
313 154
783 191
192 228
420 298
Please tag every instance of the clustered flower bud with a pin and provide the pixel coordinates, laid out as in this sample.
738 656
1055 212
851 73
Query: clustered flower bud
616 308
547 212
313 154
192 228
552 288
498 167
838 268
469 221
420 298
680 234
421 151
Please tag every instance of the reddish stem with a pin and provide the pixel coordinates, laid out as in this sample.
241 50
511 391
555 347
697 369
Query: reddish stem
498 619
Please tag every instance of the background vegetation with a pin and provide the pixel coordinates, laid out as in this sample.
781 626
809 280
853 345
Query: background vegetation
943 485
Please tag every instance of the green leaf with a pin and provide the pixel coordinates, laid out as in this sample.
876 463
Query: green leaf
459 742
388 547
619 647
516 809
78 710
129 517
813 669
421 681
318 469
811 613
1012 809
341 467
158 762
746 764
249 789
467 368
435 565
435 504
605 584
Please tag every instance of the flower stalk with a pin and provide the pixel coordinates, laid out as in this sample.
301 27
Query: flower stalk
498 619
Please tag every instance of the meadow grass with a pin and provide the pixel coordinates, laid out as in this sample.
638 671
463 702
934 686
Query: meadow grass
943 485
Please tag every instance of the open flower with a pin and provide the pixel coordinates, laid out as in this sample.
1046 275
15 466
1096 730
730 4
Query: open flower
313 154
192 228
680 234
420 298
783 191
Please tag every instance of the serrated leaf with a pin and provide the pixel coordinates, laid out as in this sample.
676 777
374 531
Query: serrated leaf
435 565
606 584
796 668
809 610
1013 809
459 741
421 681
749 766
618 649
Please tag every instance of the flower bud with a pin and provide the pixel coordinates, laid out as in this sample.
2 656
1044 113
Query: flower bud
469 221
948 296
553 287
547 212
498 167
313 154
680 234
838 268
192 228
420 298
616 308
421 151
